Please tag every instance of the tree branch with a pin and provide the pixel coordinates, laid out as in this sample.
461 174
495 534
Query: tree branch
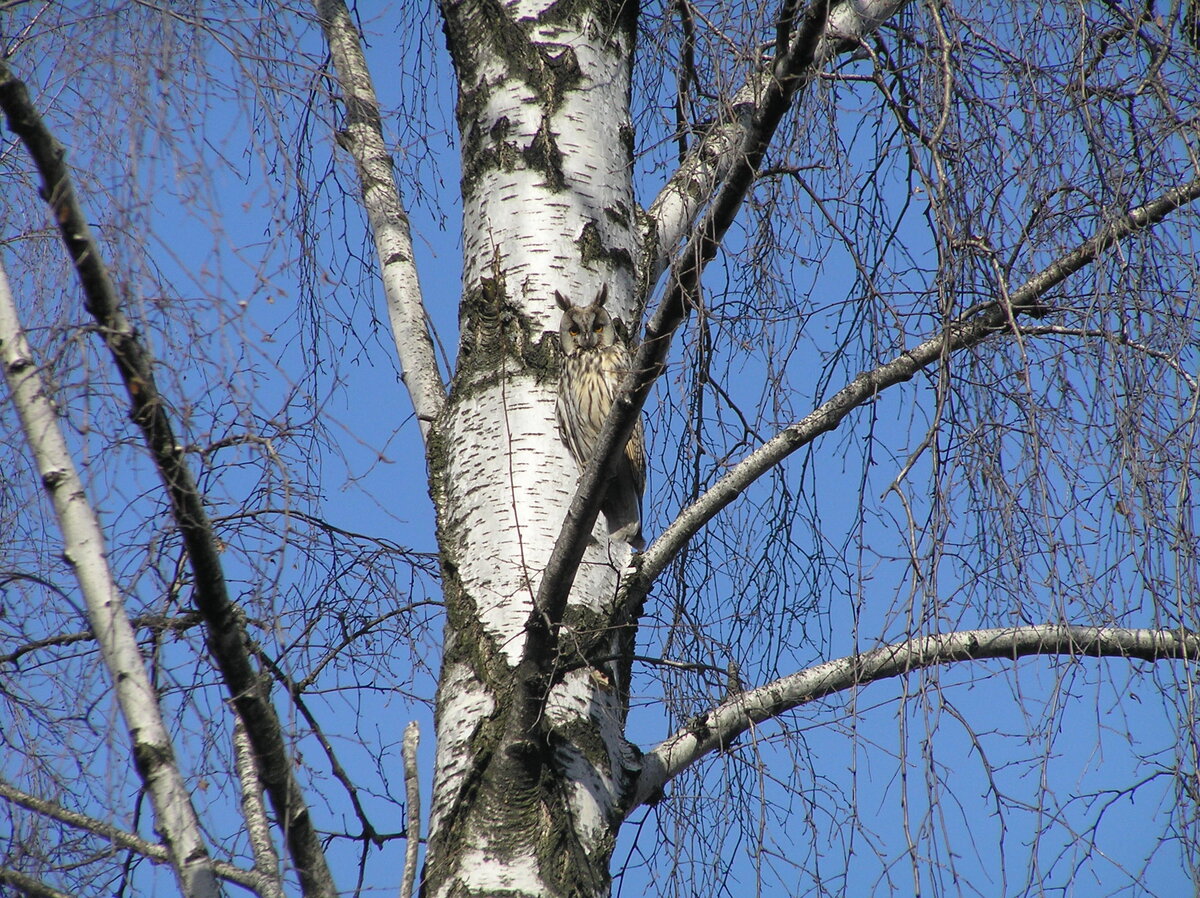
254 812
152 851
155 623
295 692
650 361
713 160
226 636
718 728
84 549
967 331
29 886
363 138
412 815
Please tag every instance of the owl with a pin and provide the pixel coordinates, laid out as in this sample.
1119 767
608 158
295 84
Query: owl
595 362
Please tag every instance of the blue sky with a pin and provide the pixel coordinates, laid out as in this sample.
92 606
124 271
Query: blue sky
281 298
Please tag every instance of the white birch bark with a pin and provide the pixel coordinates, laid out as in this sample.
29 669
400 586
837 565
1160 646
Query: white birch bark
175 817
363 137
548 205
412 813
254 812
725 723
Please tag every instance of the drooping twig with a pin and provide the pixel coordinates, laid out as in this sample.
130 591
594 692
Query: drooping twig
710 161
967 331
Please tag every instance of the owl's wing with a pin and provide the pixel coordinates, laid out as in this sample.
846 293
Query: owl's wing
618 359
635 454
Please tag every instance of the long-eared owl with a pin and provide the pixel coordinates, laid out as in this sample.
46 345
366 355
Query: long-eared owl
595 363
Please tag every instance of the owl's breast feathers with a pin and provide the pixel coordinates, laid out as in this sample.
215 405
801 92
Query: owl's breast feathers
590 379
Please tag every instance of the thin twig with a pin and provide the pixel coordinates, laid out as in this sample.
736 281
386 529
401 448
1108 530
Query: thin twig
152 851
973 327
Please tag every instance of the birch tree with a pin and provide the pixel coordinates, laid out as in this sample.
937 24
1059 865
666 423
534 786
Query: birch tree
911 294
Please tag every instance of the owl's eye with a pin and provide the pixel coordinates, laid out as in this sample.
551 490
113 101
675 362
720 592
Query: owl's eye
573 331
598 328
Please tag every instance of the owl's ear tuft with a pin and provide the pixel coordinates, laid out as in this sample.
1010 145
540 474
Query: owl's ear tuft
563 302
602 296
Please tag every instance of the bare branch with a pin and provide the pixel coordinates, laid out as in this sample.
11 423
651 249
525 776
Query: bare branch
718 728
362 137
716 158
650 362
84 550
266 859
412 824
155 623
152 851
28 885
974 327
1117 339
225 632
369 833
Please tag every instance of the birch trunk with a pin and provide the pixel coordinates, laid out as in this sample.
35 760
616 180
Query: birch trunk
531 768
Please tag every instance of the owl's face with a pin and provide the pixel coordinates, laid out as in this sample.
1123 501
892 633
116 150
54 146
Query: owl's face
585 328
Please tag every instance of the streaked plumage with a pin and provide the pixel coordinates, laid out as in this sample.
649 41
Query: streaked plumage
595 363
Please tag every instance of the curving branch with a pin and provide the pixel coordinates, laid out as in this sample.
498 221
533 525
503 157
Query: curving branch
363 138
225 632
369 833
718 728
972 328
